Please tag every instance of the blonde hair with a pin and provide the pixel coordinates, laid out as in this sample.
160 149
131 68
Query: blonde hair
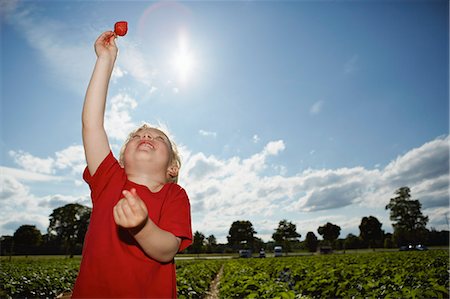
175 159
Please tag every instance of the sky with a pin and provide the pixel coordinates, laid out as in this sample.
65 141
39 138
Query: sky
309 111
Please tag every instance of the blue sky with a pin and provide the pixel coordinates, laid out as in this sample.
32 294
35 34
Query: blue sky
309 111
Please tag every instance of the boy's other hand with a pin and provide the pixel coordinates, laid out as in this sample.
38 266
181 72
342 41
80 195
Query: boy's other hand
105 45
130 212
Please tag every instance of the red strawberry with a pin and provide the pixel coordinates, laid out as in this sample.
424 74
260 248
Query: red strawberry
121 28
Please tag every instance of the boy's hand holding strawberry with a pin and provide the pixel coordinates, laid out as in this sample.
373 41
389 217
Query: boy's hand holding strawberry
105 45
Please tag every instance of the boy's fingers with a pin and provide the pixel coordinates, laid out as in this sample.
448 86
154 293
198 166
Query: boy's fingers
112 39
118 214
104 36
134 192
130 197
127 212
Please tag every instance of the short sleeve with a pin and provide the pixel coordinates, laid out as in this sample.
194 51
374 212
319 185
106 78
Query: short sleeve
97 182
176 216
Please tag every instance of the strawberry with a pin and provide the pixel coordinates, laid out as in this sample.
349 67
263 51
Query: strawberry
121 28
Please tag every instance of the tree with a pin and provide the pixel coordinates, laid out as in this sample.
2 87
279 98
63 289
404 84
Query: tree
311 242
440 238
370 232
69 225
286 234
388 242
198 243
352 242
408 221
241 235
211 244
329 232
27 239
6 245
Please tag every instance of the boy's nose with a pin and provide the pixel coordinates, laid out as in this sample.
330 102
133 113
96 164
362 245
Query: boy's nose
148 136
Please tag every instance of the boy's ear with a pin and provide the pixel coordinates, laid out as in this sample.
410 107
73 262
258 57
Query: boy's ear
172 171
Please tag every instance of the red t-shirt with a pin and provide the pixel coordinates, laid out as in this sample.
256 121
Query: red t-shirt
113 264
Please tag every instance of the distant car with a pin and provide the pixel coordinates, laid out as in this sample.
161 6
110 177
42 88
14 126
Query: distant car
278 251
245 253
407 248
421 247
262 253
411 247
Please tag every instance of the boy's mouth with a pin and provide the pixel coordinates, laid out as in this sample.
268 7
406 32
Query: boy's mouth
146 144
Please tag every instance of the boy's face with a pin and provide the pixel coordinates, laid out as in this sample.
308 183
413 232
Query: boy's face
148 145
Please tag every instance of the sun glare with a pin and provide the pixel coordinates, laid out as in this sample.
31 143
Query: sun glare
183 61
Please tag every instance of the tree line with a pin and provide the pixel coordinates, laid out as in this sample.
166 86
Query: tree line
69 224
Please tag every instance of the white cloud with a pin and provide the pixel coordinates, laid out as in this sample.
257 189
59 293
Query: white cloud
117 73
11 187
133 62
207 133
71 158
274 147
429 160
25 175
118 122
316 108
330 189
255 138
58 200
20 206
32 163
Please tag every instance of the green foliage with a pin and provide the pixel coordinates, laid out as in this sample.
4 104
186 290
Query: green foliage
408 221
37 277
330 232
198 243
241 235
27 239
69 224
285 234
368 275
194 277
311 242
370 231
246 279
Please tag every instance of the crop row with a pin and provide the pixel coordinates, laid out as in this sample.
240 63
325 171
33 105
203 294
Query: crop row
194 277
370 275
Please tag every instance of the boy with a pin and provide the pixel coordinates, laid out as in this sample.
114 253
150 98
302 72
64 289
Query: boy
140 216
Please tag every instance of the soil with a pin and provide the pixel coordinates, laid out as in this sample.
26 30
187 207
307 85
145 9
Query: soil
213 292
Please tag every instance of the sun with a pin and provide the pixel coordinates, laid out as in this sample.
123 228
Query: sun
183 61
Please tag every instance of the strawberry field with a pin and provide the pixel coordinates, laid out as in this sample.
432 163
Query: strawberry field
365 275
369 275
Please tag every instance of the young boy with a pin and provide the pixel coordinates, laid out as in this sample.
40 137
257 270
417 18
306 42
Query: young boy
140 216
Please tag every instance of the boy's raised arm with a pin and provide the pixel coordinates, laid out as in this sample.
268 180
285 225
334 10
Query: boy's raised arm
95 141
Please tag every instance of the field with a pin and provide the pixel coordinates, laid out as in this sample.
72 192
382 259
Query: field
357 275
